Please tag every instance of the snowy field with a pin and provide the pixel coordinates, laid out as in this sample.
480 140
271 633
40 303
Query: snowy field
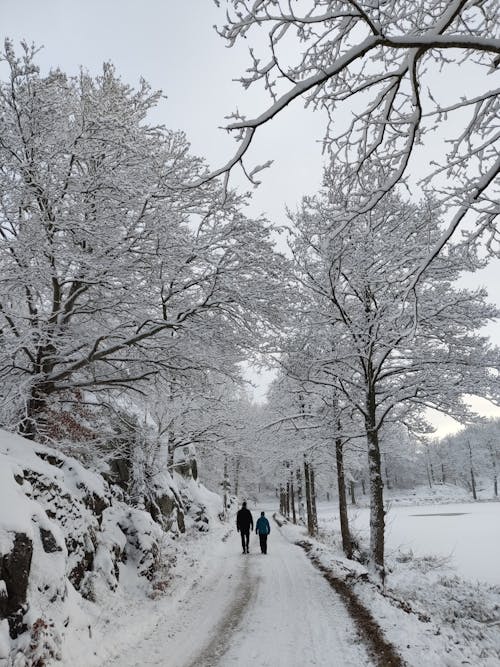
468 534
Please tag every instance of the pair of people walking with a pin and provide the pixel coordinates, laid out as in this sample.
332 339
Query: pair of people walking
244 524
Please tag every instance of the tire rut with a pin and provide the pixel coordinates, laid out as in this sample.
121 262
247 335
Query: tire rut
215 650
382 651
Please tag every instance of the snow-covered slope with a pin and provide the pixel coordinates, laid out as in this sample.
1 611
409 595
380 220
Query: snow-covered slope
69 541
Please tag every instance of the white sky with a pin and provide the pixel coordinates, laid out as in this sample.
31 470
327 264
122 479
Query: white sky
173 45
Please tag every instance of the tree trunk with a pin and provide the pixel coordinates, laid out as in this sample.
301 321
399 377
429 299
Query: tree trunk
430 471
283 501
344 519
225 487
33 419
287 497
428 474
494 467
300 497
292 499
363 487
237 476
310 524
377 512
472 476
313 500
171 450
351 492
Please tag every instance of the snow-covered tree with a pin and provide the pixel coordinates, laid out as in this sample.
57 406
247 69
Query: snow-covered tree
385 348
470 458
388 77
111 271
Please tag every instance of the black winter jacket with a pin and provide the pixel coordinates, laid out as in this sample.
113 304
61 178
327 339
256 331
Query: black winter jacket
244 520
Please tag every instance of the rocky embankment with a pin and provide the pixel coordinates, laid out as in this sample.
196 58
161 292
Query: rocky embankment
68 537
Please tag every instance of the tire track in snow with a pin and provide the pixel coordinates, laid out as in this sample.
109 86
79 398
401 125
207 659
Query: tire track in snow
294 618
266 611
382 651
223 634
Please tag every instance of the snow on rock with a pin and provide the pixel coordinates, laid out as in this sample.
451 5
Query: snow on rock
68 540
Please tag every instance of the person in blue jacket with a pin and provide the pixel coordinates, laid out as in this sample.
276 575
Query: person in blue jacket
262 529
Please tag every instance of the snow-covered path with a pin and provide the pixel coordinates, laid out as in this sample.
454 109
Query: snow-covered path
253 610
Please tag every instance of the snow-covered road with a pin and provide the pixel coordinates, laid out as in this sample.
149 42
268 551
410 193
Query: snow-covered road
252 610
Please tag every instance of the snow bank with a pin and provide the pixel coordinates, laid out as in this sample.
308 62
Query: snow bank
425 608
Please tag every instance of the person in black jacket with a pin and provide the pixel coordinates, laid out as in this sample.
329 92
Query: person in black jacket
244 524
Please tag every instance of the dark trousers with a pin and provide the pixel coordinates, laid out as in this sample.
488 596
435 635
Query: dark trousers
263 543
245 539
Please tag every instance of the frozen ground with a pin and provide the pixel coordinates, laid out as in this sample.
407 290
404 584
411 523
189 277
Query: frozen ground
267 611
468 534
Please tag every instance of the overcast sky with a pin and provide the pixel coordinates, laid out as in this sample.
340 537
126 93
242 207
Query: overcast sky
173 45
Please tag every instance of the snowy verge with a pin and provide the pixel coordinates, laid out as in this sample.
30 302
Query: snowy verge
423 610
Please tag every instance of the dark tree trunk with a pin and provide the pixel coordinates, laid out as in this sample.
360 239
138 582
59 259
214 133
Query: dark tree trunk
344 519
237 476
494 467
292 500
310 523
363 487
225 486
300 497
171 450
351 492
428 475
377 512
430 472
472 476
313 500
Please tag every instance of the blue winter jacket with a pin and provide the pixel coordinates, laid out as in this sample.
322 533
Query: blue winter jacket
262 527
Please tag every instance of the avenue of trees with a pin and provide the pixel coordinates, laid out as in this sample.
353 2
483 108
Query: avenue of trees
381 331
373 350
133 285
470 458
